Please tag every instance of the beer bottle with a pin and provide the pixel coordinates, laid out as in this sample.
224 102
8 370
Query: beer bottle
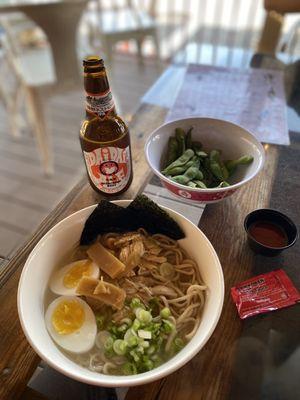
104 136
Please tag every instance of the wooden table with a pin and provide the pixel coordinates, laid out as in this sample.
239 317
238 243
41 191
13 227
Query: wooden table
234 362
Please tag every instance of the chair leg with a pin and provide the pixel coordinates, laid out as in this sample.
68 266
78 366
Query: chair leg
157 48
139 43
17 120
156 44
271 33
10 104
36 106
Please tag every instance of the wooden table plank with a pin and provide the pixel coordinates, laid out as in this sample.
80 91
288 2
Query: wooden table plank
17 359
208 375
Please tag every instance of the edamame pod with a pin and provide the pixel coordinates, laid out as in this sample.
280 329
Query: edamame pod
193 161
176 171
199 176
182 179
216 170
208 176
188 139
182 160
172 150
232 165
225 172
192 184
223 184
180 137
180 170
214 155
201 154
200 184
191 172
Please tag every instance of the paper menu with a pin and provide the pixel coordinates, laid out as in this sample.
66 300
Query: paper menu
252 98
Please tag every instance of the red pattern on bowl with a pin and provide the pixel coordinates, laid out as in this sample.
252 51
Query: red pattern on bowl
197 196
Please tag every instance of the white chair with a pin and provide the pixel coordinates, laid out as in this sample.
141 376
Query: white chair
121 23
34 75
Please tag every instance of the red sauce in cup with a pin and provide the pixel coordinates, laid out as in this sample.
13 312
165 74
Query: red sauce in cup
268 234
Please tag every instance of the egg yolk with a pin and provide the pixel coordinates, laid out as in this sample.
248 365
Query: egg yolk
73 276
68 316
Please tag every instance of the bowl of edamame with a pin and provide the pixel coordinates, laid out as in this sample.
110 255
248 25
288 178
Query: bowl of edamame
203 159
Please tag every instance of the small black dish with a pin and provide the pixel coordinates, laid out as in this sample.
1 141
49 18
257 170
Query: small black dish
279 221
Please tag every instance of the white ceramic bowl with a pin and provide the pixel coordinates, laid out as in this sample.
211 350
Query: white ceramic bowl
233 140
50 250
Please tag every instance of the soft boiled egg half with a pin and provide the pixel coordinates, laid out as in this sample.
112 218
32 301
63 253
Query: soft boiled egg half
71 323
65 280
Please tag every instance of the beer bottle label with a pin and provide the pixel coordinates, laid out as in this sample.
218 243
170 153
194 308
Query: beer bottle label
109 168
100 104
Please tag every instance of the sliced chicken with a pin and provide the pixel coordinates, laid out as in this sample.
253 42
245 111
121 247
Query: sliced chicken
131 255
127 238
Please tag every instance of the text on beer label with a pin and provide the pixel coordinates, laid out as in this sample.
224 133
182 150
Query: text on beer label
109 168
100 104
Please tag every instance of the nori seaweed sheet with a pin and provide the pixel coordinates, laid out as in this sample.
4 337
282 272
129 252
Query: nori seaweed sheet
154 219
141 213
107 217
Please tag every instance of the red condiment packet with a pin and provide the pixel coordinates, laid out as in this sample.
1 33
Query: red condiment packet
264 293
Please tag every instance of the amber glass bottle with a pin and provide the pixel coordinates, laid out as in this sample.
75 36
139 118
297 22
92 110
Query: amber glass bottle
104 136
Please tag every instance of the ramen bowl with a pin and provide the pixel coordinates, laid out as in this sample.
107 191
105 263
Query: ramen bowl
234 142
50 250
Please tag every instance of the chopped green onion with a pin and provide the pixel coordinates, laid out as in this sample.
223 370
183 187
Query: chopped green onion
144 334
132 341
148 364
129 368
114 330
108 345
144 344
151 349
159 340
140 340
165 312
109 353
156 360
122 328
178 343
154 328
136 302
135 356
120 347
143 315
129 334
140 349
100 320
168 327
126 321
136 324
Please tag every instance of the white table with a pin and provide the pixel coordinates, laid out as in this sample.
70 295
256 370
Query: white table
59 20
